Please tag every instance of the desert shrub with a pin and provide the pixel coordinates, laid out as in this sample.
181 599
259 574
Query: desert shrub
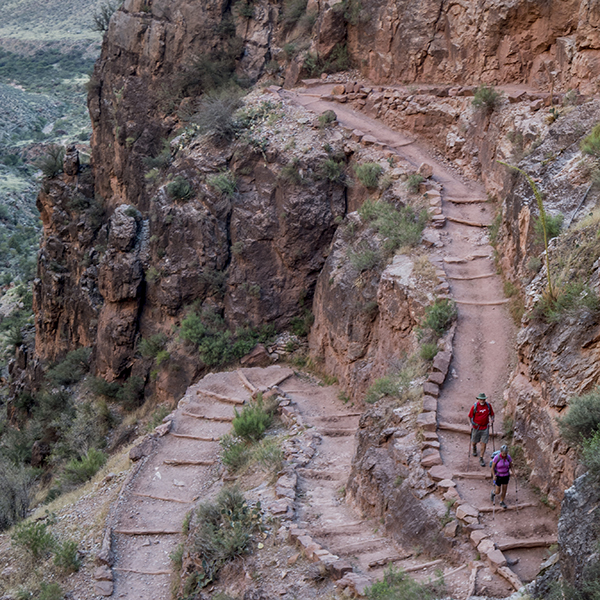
591 143
235 452
101 387
327 118
582 420
215 114
439 316
554 225
353 12
150 347
34 537
15 484
50 591
569 299
210 72
252 422
180 188
396 585
161 160
428 351
192 329
244 8
487 99
332 170
269 455
591 456
66 557
80 470
368 174
225 530
293 11
364 258
384 386
52 163
103 14
225 183
72 368
338 60
301 325
413 182
290 172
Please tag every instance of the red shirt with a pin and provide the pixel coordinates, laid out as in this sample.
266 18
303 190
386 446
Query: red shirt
480 415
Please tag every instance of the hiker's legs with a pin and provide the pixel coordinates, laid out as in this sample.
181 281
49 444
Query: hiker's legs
475 437
483 445
485 436
504 487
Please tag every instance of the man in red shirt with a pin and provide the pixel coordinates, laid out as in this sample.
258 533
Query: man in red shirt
480 417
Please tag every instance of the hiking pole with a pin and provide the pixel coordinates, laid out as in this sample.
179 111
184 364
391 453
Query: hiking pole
469 454
494 502
516 493
493 438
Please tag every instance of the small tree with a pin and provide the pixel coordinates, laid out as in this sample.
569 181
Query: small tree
103 14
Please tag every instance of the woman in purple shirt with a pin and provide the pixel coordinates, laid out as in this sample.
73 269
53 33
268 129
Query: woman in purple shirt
501 468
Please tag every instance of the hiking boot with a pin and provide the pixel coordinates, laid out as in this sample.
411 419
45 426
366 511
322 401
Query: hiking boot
503 505
482 462
493 497
474 450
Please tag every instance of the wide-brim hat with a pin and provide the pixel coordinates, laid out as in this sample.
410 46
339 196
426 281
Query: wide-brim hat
482 397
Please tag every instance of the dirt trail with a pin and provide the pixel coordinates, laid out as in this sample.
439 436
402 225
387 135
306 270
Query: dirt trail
483 350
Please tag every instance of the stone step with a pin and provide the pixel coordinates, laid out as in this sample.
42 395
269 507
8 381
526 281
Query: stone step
204 418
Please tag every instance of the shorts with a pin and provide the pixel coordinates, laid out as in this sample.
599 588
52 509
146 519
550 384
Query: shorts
480 435
502 480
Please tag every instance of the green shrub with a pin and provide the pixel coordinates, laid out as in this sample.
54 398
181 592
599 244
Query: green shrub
368 174
225 183
396 585
215 114
15 484
34 537
364 258
554 225
269 455
440 315
50 591
192 329
252 422
571 298
180 188
293 11
582 420
101 387
235 452
591 456
72 368
332 170
52 163
301 325
327 118
67 557
225 530
428 351
103 14
384 386
487 99
591 143
80 470
290 173
244 8
150 347
413 182
160 160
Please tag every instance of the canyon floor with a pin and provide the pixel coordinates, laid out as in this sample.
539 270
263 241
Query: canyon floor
181 466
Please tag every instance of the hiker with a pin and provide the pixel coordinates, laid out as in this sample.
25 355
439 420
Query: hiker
501 468
481 416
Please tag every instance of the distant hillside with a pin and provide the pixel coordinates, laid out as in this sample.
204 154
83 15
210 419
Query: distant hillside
48 20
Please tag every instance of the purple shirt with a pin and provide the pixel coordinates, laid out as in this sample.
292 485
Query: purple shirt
502 465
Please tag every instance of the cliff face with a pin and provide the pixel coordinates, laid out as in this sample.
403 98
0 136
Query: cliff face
505 41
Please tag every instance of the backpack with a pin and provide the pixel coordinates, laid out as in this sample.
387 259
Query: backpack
494 454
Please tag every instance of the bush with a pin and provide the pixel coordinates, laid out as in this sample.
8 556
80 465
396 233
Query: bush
160 160
192 329
384 386
225 183
582 420
80 470
252 422
300 326
428 351
554 225
413 182
67 557
103 14
180 188
327 118
440 315
52 163
72 368
364 259
224 532
34 537
591 143
215 114
571 298
101 387
396 585
487 99
290 173
332 170
368 174
235 452
15 483
50 591
591 456
293 11
149 348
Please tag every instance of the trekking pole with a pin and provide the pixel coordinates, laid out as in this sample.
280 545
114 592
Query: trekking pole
516 493
469 454
494 502
493 438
